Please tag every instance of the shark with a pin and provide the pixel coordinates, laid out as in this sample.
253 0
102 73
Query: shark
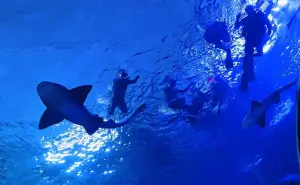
64 104
257 113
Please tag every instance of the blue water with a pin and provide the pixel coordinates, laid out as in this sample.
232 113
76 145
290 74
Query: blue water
85 42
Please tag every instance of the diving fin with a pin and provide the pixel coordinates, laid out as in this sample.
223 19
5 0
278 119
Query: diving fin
262 120
50 117
255 105
80 93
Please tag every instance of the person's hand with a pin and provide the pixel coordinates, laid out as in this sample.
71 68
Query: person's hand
137 77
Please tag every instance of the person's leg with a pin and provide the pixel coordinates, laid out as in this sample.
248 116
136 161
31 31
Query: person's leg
123 106
112 108
178 103
259 47
249 47
244 83
248 65
225 33
229 61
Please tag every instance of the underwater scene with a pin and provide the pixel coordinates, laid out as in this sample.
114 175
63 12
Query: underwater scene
152 92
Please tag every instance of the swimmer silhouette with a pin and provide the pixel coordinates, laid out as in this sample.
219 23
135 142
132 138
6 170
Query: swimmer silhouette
119 89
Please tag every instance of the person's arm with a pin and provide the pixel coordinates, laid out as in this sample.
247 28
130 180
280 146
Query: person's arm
184 90
133 81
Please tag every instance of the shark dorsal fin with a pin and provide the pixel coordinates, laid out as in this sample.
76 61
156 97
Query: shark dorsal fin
80 93
255 105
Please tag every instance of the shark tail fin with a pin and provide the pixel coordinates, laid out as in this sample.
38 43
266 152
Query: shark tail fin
50 117
262 119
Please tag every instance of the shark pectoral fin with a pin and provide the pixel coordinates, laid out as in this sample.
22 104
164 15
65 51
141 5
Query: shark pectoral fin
262 120
255 105
50 117
81 92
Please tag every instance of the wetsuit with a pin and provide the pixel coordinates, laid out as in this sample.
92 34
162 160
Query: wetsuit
254 31
172 100
119 90
215 34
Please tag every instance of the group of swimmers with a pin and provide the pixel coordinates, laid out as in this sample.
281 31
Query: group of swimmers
255 27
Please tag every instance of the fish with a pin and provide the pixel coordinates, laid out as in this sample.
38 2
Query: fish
257 113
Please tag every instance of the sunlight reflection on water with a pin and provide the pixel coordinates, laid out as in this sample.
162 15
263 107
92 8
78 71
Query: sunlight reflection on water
79 146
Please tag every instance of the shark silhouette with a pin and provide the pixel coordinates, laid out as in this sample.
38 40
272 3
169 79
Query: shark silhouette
63 103
257 114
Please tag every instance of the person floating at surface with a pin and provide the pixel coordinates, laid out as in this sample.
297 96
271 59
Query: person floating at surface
198 101
216 34
219 90
119 88
254 31
171 95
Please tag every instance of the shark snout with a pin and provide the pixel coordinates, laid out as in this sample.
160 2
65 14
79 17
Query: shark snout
41 85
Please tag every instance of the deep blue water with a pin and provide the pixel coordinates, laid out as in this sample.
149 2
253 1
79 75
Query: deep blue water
85 42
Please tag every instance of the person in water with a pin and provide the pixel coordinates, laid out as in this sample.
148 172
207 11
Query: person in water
171 95
219 89
119 89
217 34
198 101
254 30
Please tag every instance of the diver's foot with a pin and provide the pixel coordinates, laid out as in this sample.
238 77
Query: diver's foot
229 61
244 83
